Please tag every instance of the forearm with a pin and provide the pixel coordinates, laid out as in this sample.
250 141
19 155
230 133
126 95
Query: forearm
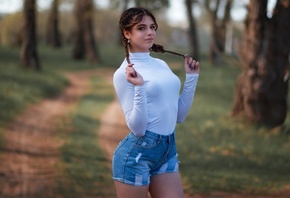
187 96
137 116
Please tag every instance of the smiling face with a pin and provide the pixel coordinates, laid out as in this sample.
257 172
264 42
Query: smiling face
142 35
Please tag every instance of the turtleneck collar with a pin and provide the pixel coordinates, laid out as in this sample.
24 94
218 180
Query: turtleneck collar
139 56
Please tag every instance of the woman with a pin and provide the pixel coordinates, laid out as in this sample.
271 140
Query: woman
148 91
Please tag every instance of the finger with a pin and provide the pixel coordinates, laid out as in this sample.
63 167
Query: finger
132 72
190 63
193 64
196 65
186 57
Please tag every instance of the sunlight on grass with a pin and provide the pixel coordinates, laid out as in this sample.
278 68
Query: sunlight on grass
20 87
85 168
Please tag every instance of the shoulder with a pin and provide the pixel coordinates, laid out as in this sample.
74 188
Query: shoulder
120 73
119 77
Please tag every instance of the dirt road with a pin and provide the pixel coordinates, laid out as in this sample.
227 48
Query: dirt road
31 151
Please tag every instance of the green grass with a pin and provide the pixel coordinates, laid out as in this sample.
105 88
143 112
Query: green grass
20 87
85 168
216 152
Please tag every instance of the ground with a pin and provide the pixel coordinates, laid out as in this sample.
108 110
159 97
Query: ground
31 150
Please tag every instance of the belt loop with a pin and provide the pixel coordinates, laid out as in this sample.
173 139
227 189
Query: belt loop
159 138
172 137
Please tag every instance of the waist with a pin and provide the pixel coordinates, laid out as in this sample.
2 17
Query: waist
156 137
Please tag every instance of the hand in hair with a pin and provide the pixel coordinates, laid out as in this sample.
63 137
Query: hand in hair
132 76
191 66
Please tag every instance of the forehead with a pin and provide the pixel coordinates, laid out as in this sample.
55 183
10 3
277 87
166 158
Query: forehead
146 20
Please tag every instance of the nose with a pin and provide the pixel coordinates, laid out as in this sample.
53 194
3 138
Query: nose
150 31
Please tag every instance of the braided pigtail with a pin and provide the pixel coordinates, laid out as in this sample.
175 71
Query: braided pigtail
126 47
160 49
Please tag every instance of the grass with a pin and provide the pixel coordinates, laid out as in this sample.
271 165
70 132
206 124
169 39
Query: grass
20 87
216 152
85 168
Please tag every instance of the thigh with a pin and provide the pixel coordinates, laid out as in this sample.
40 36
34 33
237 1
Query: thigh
166 185
130 191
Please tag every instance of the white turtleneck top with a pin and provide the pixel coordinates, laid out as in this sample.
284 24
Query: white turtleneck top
157 105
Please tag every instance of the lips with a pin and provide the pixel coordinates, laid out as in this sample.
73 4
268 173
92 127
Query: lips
149 39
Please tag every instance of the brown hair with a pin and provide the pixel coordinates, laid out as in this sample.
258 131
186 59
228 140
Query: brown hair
130 18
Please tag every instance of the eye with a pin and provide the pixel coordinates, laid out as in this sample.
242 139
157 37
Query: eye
141 28
153 27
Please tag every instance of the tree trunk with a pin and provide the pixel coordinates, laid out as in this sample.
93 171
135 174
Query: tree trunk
53 34
29 55
218 26
85 43
78 34
192 32
261 91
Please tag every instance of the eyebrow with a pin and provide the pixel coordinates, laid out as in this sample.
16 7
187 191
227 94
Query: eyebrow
142 24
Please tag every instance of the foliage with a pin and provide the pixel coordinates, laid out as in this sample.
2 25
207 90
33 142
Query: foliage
10 29
106 29
19 87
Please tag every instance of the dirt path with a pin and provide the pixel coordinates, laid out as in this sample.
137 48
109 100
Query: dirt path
113 128
31 150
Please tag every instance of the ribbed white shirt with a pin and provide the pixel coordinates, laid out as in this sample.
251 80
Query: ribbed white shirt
157 105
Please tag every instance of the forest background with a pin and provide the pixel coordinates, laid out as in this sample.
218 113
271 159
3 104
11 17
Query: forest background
245 156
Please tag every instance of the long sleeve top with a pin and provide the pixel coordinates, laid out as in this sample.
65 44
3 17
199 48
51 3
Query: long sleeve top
157 105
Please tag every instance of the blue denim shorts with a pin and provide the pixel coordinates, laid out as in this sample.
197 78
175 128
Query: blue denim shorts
136 159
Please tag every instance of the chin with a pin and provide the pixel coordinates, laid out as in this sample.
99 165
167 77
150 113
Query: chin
149 45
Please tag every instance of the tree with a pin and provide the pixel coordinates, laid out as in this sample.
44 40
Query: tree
219 24
53 34
262 87
84 41
152 4
29 55
192 32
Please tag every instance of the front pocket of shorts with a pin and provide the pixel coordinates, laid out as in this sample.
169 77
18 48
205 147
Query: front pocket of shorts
146 143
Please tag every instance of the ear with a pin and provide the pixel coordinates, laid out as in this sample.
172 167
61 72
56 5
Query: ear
127 34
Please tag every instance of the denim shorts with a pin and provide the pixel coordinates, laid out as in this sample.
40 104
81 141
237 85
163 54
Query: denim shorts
136 159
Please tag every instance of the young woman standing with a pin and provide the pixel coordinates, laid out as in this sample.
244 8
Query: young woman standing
149 93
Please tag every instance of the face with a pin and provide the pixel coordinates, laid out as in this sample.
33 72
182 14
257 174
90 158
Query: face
142 35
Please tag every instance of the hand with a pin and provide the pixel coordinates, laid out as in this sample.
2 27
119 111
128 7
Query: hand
191 66
132 76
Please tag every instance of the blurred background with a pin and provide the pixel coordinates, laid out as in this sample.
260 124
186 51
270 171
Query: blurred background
57 58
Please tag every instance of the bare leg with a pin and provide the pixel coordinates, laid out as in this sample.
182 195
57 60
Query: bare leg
129 191
167 185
